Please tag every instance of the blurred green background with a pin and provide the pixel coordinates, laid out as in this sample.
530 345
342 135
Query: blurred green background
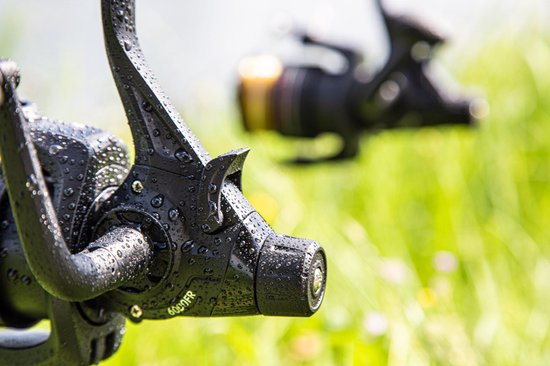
438 239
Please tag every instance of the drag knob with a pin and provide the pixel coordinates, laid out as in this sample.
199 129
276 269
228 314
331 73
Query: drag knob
291 276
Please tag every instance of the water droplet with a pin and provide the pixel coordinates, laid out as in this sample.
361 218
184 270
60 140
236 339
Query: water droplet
55 149
68 192
147 107
183 156
173 214
26 280
157 201
161 246
12 274
187 246
212 206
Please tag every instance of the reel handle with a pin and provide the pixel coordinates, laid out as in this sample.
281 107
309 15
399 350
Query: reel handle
72 277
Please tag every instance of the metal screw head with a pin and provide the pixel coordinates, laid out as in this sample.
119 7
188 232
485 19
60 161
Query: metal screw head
136 311
318 279
137 186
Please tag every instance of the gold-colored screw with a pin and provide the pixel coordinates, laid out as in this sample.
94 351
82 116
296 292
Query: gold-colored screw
318 280
137 186
136 311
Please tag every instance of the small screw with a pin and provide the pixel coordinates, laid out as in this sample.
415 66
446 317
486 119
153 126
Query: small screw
137 186
317 281
136 311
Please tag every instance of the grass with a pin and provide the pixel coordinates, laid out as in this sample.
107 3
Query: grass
438 241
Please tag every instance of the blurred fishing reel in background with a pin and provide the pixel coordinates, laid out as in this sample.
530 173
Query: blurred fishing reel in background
341 97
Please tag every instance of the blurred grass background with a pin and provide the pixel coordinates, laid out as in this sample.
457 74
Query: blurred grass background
438 239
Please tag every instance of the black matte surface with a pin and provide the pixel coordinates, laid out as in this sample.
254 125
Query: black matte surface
87 240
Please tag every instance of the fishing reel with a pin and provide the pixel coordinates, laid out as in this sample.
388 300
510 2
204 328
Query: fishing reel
88 240
306 100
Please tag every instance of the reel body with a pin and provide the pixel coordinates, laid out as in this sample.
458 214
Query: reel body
82 166
88 240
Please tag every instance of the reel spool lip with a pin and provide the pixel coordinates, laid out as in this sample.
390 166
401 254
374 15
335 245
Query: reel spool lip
258 76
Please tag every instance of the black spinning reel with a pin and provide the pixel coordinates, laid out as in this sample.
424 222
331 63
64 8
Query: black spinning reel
307 100
87 240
